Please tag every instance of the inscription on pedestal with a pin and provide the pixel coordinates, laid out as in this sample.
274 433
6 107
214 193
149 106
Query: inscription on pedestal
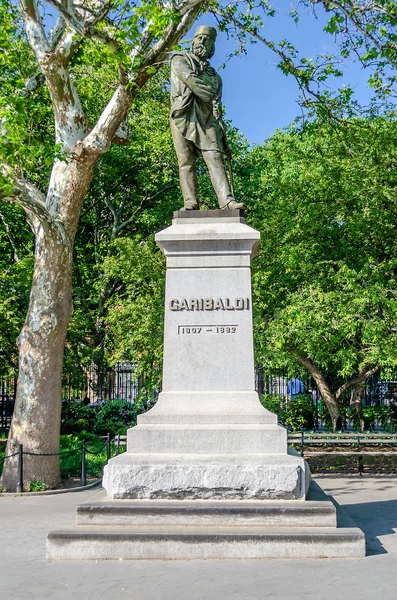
203 329
209 304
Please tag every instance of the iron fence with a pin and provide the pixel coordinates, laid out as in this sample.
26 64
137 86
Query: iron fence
93 384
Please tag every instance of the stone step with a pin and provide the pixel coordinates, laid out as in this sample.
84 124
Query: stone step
203 513
159 542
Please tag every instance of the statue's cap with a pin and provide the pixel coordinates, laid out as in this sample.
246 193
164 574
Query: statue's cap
206 30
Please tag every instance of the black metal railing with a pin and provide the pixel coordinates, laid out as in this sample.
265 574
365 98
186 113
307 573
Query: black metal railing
20 453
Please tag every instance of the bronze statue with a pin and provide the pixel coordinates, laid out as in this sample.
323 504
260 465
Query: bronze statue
196 120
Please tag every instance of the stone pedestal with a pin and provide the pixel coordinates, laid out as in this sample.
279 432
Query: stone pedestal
208 436
207 473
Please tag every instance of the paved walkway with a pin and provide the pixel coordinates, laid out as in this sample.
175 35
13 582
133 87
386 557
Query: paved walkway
26 575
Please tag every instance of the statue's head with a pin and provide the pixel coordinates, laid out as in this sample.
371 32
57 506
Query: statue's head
203 45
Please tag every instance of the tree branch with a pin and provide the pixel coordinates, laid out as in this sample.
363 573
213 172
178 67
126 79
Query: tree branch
290 66
33 202
366 372
34 29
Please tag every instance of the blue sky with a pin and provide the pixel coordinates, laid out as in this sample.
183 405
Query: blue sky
258 97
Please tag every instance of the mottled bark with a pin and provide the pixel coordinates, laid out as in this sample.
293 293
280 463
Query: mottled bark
36 421
37 413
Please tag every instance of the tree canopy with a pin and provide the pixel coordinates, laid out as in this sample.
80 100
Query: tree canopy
325 282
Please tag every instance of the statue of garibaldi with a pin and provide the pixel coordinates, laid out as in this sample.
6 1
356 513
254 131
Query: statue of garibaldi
196 120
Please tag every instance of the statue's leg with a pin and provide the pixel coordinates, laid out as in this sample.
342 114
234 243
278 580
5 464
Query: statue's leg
217 171
186 155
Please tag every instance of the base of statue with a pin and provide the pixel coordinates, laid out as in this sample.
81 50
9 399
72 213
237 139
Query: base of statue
207 472
208 436
207 476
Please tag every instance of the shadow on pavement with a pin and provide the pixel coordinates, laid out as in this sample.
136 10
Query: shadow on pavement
376 519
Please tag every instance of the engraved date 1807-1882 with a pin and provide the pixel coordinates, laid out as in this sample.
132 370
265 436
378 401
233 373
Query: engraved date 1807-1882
203 329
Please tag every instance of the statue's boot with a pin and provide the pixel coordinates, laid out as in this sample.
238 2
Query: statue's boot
191 206
232 204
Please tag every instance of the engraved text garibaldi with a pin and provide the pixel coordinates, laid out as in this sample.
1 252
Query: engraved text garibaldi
196 119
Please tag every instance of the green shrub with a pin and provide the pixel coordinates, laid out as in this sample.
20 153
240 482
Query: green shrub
96 454
114 417
70 455
297 414
77 417
37 486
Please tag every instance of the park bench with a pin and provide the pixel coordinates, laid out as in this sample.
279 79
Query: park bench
357 444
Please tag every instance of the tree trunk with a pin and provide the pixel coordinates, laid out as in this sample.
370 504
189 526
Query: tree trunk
36 421
325 391
37 414
356 400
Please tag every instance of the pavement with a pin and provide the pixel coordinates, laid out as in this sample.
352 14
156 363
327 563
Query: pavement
25 574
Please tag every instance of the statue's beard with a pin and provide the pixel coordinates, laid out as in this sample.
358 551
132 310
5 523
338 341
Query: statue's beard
200 51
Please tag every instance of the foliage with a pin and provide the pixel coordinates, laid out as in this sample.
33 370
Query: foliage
301 413
362 31
77 417
296 414
135 318
37 486
71 455
115 417
111 417
133 194
16 266
325 198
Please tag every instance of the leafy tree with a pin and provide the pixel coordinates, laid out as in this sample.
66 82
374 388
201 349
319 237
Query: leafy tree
364 32
325 282
134 42
50 180
133 194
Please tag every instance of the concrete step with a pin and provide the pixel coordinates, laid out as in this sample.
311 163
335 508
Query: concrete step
207 513
178 542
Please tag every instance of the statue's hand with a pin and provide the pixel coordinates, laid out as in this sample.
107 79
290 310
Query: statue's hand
216 110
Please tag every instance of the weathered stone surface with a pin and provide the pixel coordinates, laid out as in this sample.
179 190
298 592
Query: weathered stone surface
208 349
191 543
243 476
208 439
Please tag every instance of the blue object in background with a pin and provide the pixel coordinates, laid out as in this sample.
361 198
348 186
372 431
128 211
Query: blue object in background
295 387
